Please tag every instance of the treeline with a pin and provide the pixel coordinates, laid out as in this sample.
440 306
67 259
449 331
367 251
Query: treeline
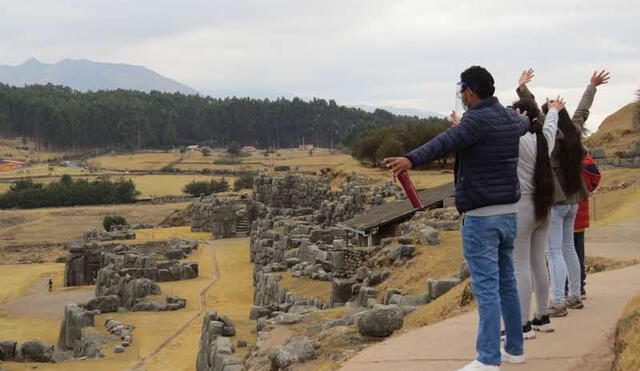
58 117
377 144
25 194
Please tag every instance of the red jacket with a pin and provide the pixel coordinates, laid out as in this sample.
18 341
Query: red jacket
591 177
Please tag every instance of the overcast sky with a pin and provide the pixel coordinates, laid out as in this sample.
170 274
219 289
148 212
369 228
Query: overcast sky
385 53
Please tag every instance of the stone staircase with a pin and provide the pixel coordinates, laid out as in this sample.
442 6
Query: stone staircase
242 225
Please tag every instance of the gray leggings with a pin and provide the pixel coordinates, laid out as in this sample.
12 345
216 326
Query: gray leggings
529 259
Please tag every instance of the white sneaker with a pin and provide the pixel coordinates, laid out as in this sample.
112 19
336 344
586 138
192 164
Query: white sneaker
510 358
479 366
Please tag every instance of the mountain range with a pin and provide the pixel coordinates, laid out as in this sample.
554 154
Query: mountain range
82 74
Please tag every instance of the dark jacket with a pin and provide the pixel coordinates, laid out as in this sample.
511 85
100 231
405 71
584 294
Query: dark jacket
487 141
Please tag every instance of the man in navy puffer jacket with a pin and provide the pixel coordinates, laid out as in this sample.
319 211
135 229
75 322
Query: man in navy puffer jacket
487 190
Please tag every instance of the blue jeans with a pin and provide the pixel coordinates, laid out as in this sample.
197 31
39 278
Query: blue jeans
488 247
561 253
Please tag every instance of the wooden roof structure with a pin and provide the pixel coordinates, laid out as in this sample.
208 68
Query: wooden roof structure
395 211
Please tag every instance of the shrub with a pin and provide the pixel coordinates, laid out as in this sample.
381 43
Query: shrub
61 259
169 169
206 152
199 188
244 181
109 221
68 192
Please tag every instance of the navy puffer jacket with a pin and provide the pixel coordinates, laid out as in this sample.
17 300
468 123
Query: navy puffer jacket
487 142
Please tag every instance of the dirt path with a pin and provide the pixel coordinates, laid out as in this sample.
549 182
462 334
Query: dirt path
581 341
40 303
215 276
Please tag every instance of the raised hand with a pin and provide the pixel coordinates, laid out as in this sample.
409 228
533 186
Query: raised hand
453 117
600 78
526 77
558 103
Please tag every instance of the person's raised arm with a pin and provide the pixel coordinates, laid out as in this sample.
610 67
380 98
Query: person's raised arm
522 90
581 114
466 133
551 122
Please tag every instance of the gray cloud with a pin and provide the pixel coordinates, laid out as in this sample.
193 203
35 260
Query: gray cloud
401 53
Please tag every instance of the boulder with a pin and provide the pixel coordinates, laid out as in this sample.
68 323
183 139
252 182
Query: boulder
36 351
429 235
104 304
439 287
380 322
287 318
7 350
296 349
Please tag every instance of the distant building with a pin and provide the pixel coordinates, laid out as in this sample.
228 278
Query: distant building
305 147
193 148
249 149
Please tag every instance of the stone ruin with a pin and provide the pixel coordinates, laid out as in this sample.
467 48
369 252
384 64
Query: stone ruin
117 232
157 261
216 350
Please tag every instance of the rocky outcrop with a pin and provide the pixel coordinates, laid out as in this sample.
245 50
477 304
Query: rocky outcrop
75 319
216 350
296 349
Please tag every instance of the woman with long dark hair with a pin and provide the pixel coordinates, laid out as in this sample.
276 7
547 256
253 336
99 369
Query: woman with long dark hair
537 188
569 189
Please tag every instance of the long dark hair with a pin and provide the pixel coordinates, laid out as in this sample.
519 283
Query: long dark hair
571 151
543 176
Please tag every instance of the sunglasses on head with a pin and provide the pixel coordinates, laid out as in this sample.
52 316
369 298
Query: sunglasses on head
462 86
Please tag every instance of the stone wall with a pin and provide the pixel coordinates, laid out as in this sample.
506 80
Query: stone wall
269 296
82 265
218 216
290 191
627 159
157 261
216 350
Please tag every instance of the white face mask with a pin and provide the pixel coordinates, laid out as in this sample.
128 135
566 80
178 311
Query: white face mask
460 107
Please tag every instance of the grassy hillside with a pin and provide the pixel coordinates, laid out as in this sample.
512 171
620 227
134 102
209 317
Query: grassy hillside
618 131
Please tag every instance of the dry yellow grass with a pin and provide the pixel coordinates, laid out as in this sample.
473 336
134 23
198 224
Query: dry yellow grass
439 261
306 287
60 224
9 148
162 234
608 207
137 161
627 343
616 133
17 278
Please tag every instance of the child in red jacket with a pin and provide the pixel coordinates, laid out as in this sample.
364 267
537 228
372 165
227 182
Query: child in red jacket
591 177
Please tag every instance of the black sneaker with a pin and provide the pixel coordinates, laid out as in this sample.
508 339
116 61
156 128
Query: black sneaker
542 324
527 333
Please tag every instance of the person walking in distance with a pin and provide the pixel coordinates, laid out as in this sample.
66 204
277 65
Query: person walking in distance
569 189
537 186
487 190
50 284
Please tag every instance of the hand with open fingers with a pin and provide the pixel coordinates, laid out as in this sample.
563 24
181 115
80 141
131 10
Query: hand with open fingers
557 103
600 78
453 117
526 77
523 114
397 164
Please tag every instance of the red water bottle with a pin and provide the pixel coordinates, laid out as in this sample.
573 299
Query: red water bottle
409 190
